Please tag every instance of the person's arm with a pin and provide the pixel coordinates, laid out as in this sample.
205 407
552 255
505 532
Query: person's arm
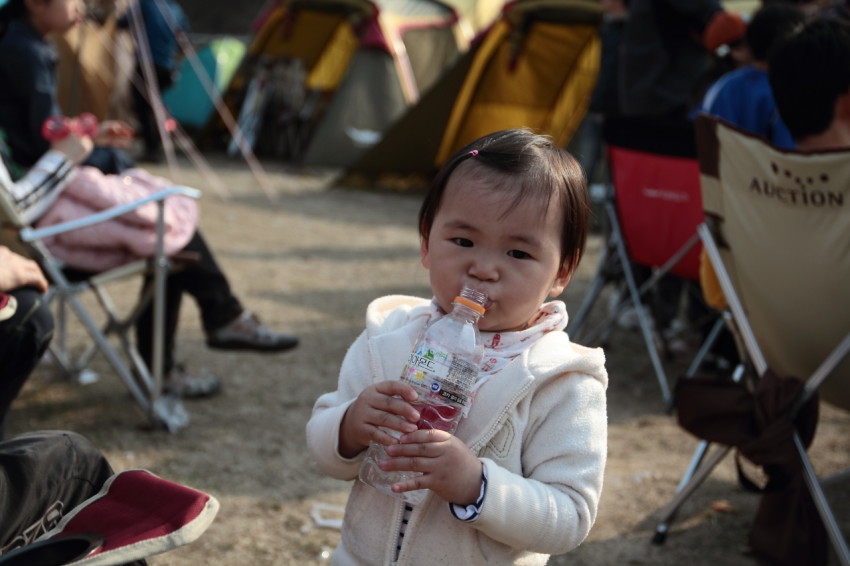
34 87
43 182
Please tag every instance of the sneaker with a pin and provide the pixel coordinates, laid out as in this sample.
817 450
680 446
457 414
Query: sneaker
180 384
246 332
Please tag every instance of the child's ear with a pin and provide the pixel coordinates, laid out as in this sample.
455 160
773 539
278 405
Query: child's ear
562 279
423 253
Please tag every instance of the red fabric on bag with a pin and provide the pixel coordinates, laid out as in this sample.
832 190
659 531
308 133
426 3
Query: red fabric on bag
137 506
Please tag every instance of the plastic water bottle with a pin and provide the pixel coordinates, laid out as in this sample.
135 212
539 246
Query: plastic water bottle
443 368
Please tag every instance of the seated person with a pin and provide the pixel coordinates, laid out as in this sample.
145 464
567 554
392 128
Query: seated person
810 77
43 475
227 323
28 76
26 325
743 97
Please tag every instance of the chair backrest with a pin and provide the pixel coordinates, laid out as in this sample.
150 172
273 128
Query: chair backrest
782 222
658 205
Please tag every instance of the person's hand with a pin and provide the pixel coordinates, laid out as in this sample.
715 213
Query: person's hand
75 147
448 466
16 271
383 405
114 133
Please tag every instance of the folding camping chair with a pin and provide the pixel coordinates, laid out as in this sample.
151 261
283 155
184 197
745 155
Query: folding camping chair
653 208
144 384
776 233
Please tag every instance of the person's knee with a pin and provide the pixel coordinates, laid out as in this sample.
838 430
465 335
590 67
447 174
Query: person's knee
31 327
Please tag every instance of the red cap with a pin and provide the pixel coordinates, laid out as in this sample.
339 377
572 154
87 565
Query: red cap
723 29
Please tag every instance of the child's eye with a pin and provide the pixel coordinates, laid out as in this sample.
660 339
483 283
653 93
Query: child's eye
463 242
519 254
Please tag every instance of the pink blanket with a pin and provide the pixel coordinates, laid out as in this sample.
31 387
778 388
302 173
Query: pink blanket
126 238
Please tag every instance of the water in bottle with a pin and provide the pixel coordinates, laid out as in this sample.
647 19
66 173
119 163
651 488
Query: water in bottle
443 368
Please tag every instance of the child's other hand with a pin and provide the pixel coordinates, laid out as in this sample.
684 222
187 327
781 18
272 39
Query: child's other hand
115 133
385 404
449 467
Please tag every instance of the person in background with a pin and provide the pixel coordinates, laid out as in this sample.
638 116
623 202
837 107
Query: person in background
43 476
28 75
605 100
521 479
810 77
227 324
724 37
743 97
26 325
663 62
164 25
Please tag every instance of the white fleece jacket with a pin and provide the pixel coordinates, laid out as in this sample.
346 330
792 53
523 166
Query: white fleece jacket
539 426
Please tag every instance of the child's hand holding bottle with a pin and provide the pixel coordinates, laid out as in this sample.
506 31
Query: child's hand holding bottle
385 405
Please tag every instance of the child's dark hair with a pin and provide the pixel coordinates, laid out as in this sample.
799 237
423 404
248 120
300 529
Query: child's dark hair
543 171
808 72
770 25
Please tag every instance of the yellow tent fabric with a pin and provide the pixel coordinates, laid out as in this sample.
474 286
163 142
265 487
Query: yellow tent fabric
323 40
538 76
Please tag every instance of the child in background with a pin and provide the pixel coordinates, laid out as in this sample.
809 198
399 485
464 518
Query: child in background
508 216
743 97
28 75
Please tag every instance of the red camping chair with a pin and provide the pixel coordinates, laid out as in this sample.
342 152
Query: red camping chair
653 208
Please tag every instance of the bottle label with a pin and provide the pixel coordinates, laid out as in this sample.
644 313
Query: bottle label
432 368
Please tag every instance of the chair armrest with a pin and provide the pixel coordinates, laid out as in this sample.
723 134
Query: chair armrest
31 234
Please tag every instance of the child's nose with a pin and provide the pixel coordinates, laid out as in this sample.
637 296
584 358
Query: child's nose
484 268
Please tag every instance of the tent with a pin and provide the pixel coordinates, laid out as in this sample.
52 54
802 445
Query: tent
535 67
323 79
187 100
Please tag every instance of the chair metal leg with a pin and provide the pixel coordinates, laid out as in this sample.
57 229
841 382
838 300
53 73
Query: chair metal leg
824 510
643 319
697 473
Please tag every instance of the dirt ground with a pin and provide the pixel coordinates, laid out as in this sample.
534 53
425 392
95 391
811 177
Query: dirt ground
309 262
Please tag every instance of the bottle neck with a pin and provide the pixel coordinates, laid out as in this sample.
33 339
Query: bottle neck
465 313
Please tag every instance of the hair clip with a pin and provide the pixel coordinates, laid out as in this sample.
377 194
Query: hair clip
473 153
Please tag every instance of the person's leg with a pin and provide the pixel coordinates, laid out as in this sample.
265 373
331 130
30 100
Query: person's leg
206 283
148 127
144 324
144 114
226 323
23 340
202 278
43 475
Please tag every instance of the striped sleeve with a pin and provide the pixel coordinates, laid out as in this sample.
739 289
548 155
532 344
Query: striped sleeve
33 194
470 513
